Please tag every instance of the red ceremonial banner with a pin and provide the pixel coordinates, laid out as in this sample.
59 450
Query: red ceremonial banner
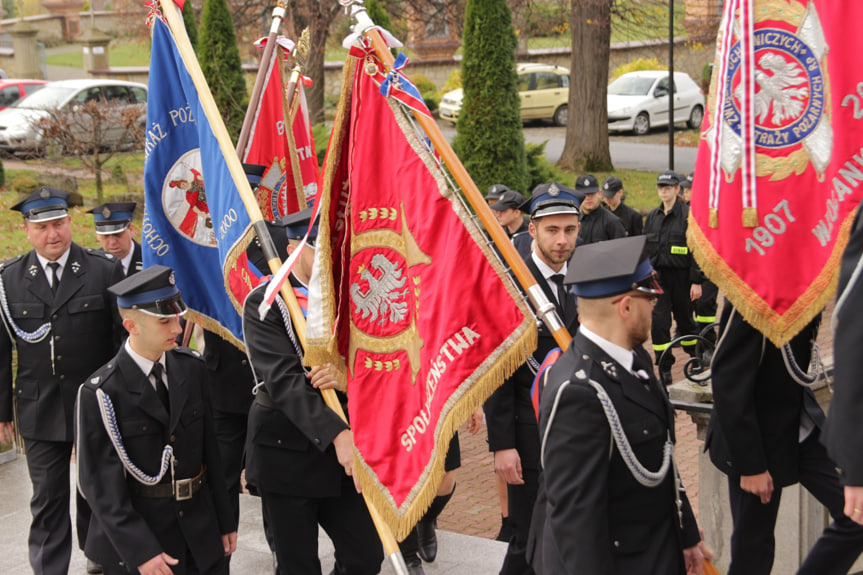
780 161
407 296
281 192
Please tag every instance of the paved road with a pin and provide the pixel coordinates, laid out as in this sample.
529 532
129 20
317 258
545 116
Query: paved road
648 153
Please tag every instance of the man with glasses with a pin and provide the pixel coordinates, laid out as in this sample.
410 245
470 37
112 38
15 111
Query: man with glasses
621 509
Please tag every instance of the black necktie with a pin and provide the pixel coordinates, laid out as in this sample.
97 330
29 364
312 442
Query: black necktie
55 281
557 279
161 388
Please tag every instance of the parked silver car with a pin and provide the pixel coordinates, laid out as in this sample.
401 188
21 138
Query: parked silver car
19 124
638 101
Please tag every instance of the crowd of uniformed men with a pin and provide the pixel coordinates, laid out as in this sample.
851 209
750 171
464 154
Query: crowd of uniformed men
589 485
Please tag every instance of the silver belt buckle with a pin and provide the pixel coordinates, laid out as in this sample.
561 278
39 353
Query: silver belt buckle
183 489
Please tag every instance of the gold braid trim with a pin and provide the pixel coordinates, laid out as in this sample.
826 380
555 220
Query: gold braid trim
782 10
779 329
324 349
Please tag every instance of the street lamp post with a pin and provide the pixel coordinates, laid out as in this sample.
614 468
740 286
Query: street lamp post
671 84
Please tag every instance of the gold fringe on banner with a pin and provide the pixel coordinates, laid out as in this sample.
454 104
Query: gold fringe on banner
234 253
779 329
212 325
321 350
472 392
750 217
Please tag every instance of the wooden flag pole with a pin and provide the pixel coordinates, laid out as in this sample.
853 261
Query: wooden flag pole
178 31
187 53
545 309
263 68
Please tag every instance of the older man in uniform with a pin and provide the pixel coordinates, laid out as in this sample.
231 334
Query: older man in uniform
613 502
597 224
64 324
116 234
512 431
148 461
299 453
612 195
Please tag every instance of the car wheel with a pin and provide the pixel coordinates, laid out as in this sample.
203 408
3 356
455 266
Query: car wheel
641 125
695 117
561 115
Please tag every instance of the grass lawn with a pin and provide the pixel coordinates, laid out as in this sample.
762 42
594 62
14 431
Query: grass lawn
119 54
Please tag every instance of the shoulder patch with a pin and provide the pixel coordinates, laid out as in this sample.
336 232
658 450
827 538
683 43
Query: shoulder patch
10 261
187 351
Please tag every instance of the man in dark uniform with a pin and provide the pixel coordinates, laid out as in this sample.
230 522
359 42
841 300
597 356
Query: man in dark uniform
507 212
612 195
299 453
512 431
495 191
116 233
597 225
605 513
764 435
64 325
665 228
148 462
843 434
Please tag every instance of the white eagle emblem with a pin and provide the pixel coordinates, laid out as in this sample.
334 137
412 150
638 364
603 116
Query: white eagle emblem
785 87
381 299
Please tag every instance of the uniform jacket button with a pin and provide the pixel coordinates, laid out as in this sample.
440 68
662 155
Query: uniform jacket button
317 441
62 376
56 338
278 442
645 432
59 357
144 428
55 316
173 438
245 362
617 544
181 513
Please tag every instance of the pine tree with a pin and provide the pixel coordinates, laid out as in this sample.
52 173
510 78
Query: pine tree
220 61
191 23
489 139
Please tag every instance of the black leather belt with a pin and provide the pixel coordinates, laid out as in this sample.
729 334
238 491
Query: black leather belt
263 398
180 490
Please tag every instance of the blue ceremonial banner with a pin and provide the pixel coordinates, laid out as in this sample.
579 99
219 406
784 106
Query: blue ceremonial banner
201 236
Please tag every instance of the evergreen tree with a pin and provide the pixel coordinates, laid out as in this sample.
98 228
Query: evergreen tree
489 139
191 23
220 61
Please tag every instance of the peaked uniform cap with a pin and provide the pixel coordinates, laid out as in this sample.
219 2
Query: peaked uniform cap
587 184
297 223
609 268
254 173
43 205
668 178
152 290
551 199
509 200
113 217
495 191
611 186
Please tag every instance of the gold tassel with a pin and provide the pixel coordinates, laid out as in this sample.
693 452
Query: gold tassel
750 217
713 218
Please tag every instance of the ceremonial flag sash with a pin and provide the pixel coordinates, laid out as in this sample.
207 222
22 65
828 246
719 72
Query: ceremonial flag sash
202 236
780 160
405 296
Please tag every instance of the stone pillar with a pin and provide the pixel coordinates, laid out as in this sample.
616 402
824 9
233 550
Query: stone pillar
801 518
94 44
70 10
26 51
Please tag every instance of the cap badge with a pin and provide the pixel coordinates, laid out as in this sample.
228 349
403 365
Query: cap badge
106 212
553 190
44 194
171 279
586 182
33 270
604 186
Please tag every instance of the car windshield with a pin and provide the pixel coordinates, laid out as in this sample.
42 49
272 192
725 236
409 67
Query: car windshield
630 86
48 98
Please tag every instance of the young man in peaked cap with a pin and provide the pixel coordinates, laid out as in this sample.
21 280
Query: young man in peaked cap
64 324
148 461
299 453
495 192
508 212
596 514
512 431
116 233
612 195
597 225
